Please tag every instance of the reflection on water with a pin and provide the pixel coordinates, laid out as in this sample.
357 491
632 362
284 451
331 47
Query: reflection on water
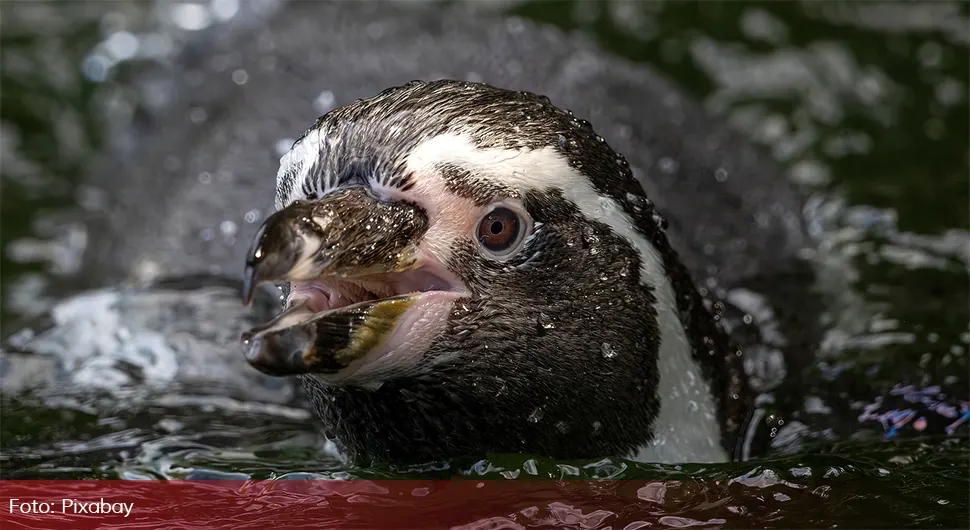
865 103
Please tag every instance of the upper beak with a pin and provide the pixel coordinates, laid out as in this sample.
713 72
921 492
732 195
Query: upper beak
346 233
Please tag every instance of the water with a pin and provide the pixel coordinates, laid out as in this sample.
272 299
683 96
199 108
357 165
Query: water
864 103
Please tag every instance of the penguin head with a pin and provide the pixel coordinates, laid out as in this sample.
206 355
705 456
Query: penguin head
472 269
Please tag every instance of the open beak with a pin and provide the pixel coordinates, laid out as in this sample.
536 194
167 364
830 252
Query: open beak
355 269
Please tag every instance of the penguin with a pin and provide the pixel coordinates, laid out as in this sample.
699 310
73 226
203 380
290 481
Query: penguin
160 274
472 269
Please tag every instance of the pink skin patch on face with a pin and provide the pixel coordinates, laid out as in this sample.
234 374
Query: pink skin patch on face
450 217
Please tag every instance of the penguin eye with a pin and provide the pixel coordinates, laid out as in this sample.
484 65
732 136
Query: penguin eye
500 231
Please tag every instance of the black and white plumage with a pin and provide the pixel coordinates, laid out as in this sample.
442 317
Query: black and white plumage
189 195
589 338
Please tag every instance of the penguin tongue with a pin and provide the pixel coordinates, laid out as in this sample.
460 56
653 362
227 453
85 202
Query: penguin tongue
314 295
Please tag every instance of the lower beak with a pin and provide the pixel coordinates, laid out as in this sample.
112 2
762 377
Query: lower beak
345 234
302 342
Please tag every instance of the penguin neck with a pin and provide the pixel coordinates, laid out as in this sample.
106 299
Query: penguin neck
701 392
688 424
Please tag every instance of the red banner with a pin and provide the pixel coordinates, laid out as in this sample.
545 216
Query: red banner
352 504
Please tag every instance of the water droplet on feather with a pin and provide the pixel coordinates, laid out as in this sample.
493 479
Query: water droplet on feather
545 321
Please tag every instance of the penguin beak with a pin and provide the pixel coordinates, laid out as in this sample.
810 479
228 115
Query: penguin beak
348 234
358 279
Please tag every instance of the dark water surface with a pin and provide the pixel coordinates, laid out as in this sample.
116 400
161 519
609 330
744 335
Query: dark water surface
866 105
